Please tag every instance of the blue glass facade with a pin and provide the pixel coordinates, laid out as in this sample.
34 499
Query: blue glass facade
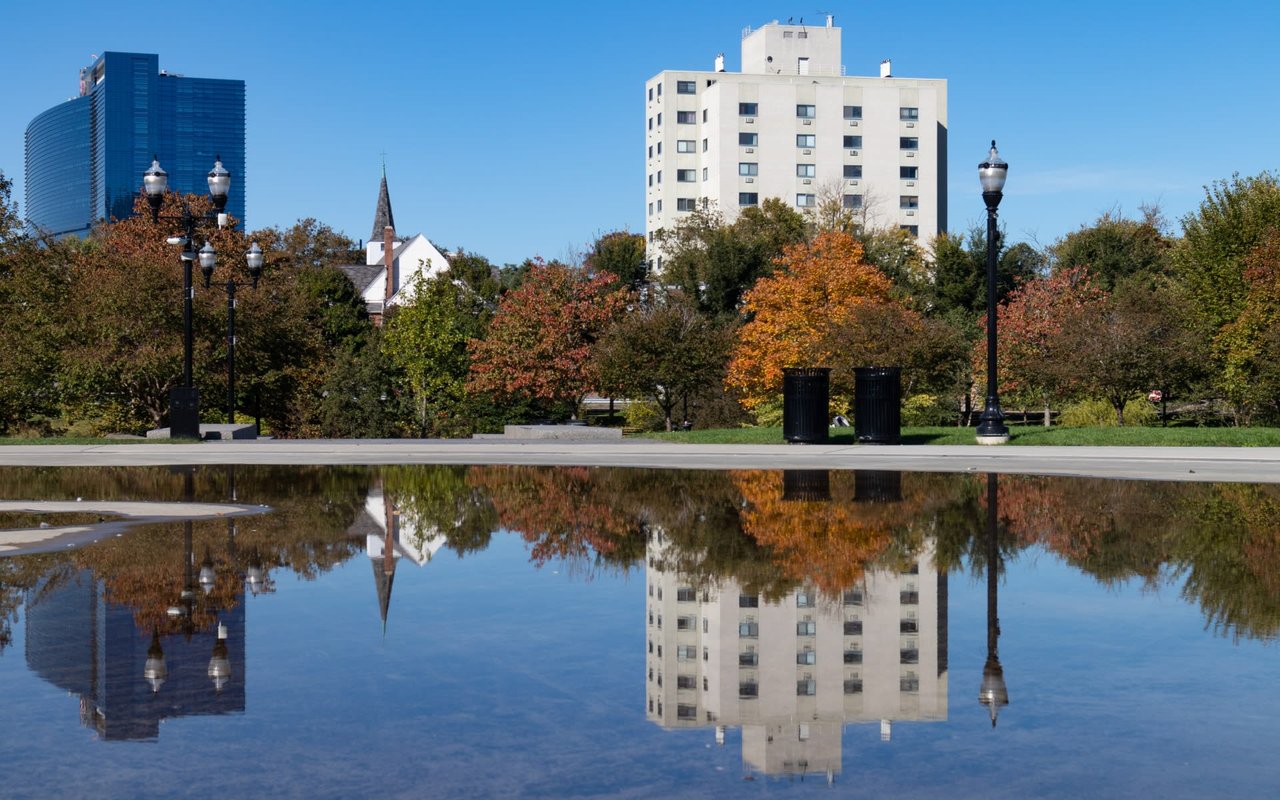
129 111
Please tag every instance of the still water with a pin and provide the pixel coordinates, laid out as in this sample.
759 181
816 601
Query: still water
543 632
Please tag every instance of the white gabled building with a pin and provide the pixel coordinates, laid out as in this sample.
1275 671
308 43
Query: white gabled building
792 125
383 285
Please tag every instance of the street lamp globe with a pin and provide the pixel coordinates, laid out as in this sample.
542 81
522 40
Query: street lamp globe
993 171
219 184
254 259
154 183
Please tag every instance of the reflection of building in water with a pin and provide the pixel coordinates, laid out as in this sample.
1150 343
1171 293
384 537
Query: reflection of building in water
83 643
791 673
390 537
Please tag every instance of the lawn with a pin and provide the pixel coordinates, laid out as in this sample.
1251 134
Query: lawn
1019 435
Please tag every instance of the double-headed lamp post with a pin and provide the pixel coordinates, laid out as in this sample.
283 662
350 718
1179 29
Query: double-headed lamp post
254 260
184 401
992 172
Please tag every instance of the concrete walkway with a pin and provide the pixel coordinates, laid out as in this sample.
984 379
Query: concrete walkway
1233 464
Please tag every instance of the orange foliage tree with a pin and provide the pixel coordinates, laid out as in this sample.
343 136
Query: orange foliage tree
793 314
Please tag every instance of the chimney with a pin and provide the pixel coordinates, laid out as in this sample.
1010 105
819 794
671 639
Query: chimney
720 62
886 69
831 20
389 261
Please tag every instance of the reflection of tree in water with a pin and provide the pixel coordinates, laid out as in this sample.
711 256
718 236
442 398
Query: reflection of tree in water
441 500
145 570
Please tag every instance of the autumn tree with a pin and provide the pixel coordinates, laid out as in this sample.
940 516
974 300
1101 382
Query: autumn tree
794 313
666 352
538 346
1247 346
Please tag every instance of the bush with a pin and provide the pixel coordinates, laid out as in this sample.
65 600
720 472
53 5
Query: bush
920 410
644 416
1100 414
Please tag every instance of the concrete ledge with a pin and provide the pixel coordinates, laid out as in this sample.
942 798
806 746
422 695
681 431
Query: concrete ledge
561 432
214 432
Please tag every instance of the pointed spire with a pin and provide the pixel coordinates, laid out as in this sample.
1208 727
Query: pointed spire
382 217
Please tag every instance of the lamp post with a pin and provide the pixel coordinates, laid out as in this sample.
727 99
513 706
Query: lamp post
993 693
992 172
254 260
184 401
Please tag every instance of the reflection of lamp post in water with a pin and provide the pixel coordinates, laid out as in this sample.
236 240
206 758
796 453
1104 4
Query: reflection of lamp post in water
220 663
155 670
993 693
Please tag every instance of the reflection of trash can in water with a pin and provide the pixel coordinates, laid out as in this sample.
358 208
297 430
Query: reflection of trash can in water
813 485
805 392
877 404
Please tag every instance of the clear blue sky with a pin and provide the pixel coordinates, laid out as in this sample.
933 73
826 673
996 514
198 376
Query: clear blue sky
515 129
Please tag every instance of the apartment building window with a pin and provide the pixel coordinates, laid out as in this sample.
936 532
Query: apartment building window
853 597
704 173
651 93
748 690
806 200
748 139
659 148
805 599
686 146
908 626
705 145
686 203
748 198
651 179
686 711
686 623
908 143
659 177
853 112
686 682
806 688
853 627
786 34
659 90
908 655
806 140
914 230
650 123
908 597
853 142
802 35
853 656
686 652
748 109
749 658
806 111
686 175
748 630
853 170
807 657
659 206
909 201
748 601
851 201
686 117
650 151
908 173
909 683
704 115
651 214
659 119
806 170
853 686
748 168
685 595
686 87
908 114
806 628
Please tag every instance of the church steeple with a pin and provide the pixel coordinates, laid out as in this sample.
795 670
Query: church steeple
382 217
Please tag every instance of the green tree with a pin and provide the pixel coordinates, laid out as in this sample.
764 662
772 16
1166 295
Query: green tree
428 340
10 223
362 395
309 243
960 271
1233 219
666 352
336 309
621 253
1115 248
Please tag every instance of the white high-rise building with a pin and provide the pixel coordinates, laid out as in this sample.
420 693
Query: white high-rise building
792 125
793 672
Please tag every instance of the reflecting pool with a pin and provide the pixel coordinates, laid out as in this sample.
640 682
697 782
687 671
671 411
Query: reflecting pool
548 632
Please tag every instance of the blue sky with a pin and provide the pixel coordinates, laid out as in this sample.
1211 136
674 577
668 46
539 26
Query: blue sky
516 129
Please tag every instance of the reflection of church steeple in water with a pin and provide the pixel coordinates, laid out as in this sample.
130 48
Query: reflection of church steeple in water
993 694
793 672
390 537
128 678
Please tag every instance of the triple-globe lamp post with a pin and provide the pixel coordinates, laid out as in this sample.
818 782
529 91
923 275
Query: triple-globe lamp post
992 172
184 401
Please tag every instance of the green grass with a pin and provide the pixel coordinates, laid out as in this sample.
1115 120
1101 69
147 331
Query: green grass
1024 435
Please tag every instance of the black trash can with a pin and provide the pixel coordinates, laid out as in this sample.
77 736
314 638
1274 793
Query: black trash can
813 485
805 394
877 404
877 486
184 412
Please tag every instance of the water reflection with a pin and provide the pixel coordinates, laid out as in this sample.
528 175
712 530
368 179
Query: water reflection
784 604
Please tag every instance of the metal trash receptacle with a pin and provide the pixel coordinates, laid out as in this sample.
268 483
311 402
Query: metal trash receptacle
877 404
805 396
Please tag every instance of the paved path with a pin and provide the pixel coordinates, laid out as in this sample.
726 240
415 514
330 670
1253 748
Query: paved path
1237 464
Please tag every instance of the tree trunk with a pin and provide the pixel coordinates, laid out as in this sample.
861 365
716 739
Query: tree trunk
1120 415
1048 421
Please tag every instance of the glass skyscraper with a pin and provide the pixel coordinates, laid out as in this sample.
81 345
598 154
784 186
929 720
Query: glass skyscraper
85 157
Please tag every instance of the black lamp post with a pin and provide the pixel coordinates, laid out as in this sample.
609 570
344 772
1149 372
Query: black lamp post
992 172
184 401
254 260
